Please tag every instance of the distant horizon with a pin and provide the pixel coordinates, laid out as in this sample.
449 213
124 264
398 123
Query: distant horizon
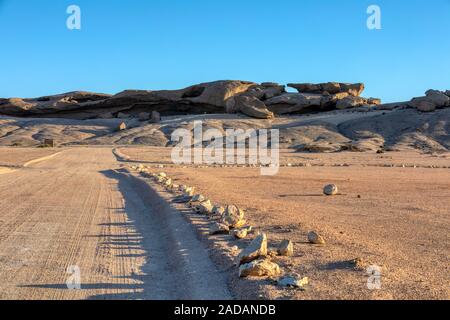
167 45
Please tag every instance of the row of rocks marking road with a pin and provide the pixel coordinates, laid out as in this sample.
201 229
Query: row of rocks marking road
256 259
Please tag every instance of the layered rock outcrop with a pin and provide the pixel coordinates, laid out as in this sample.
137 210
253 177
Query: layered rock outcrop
353 89
261 101
209 97
308 102
70 101
433 99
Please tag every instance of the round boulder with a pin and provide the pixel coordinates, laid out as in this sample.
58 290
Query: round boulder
330 190
314 237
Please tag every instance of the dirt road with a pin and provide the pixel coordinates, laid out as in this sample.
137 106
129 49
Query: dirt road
81 209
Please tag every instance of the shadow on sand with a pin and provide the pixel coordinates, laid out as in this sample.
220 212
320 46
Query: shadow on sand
135 237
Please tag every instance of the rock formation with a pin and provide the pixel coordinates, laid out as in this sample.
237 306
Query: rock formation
329 88
67 102
432 100
249 105
205 97
226 96
261 101
318 97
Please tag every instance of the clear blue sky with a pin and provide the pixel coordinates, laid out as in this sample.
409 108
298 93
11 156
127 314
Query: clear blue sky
169 44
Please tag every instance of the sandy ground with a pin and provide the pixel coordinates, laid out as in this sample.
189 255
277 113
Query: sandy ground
161 155
393 217
17 157
83 207
12 159
80 208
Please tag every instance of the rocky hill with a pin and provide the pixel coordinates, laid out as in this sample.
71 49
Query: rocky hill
325 117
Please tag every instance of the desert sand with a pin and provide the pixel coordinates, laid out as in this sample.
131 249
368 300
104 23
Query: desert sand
112 228
392 216
92 204
17 157
131 242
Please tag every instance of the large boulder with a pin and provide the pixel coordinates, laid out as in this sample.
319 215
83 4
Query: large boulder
432 100
354 89
294 102
330 100
250 106
215 93
266 90
422 104
354 102
440 99
305 102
